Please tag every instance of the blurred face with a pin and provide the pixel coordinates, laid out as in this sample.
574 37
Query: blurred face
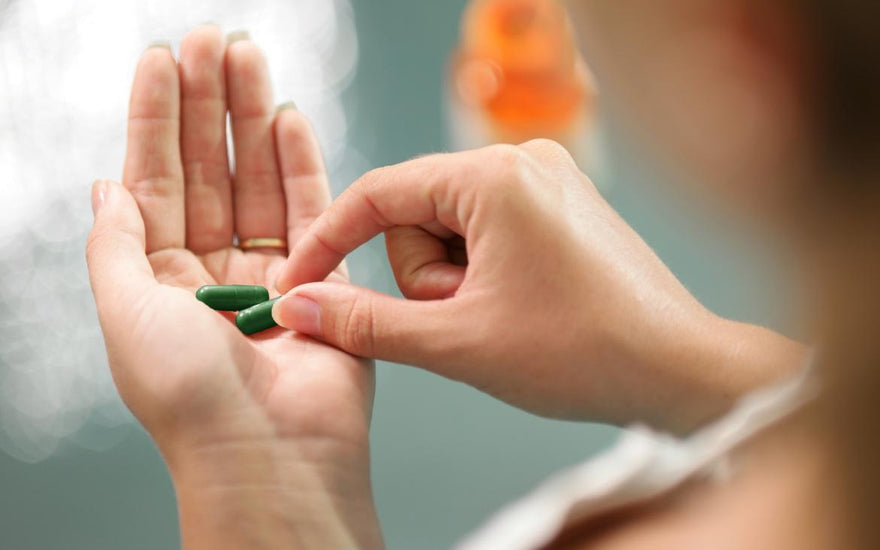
713 87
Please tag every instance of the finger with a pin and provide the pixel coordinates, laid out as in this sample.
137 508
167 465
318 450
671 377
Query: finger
421 264
208 190
153 171
257 192
304 178
369 324
118 267
417 192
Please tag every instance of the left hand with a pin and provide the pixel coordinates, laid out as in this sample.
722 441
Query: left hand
266 437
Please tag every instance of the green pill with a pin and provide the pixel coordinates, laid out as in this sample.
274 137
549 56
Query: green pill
232 297
256 318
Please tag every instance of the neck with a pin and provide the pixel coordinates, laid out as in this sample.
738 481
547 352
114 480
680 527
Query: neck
843 275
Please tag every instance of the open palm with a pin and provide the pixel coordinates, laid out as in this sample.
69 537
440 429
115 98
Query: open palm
184 370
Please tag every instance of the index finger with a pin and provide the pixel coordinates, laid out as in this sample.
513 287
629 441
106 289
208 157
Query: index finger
153 171
416 192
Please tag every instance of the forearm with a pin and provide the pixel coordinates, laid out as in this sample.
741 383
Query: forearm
268 495
708 368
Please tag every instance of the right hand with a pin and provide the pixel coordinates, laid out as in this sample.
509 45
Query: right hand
551 302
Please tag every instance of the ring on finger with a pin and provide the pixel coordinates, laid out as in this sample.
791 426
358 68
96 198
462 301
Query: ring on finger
263 242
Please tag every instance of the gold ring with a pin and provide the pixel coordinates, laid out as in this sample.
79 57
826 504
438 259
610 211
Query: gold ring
263 242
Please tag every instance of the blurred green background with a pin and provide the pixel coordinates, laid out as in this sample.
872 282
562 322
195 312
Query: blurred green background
444 456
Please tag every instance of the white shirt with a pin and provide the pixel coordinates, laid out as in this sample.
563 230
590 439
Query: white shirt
641 466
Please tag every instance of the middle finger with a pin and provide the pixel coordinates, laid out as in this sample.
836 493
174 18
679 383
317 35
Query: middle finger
257 189
209 224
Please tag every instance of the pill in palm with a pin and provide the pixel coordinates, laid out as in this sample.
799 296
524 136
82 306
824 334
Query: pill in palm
232 297
256 318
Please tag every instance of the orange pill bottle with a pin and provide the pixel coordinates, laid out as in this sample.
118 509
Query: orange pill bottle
517 75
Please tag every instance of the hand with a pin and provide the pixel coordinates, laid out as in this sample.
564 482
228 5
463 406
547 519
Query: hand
524 283
266 437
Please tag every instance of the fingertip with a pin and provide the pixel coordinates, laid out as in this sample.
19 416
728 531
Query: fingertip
296 138
106 193
277 314
155 77
297 273
243 52
440 282
204 41
282 281
159 45
304 176
286 106
99 191
157 54
299 313
281 285
291 125
237 36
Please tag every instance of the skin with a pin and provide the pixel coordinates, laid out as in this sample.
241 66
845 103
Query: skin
777 497
719 93
519 279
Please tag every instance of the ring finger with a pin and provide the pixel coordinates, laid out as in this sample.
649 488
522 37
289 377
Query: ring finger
257 190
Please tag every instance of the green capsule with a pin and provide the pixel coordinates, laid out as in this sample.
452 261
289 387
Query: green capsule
256 318
232 297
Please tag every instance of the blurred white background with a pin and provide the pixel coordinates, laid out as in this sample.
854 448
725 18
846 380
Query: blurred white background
65 68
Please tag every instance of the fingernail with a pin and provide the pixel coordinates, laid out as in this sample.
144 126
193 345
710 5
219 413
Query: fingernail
163 44
235 36
99 195
298 313
284 106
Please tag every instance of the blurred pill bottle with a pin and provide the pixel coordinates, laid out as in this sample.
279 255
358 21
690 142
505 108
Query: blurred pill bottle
517 75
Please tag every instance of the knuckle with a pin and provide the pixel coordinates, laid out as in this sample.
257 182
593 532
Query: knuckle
510 166
543 144
549 151
94 243
158 186
370 192
506 155
367 186
355 331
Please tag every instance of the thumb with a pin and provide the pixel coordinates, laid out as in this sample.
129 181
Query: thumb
118 265
370 324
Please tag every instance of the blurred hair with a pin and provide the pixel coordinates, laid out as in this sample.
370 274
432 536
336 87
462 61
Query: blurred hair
849 48
847 39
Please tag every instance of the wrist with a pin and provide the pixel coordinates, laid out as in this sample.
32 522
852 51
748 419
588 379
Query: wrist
274 494
716 361
751 356
692 366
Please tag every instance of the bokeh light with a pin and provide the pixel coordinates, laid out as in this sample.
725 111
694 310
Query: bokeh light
65 71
